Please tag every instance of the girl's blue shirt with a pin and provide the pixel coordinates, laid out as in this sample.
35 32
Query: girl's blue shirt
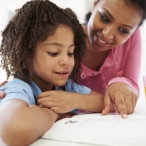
19 89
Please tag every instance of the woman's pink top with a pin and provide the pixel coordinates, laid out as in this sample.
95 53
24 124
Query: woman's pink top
121 65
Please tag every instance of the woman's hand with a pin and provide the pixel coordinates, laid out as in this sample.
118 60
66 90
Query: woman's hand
122 96
2 94
58 101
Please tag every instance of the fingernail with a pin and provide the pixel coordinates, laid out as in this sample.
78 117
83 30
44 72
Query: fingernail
124 116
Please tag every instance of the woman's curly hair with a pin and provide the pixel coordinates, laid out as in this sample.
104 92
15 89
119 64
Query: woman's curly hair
32 23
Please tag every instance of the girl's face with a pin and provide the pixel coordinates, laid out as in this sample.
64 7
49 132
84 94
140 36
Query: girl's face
112 22
53 59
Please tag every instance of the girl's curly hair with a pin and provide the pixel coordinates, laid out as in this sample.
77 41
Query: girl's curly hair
32 23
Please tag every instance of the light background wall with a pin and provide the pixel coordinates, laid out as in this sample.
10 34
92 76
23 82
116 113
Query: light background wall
81 7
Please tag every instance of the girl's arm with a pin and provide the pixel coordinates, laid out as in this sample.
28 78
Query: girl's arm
62 101
21 124
92 102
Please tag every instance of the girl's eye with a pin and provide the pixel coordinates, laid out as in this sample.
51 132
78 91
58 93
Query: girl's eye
53 53
123 30
104 18
70 54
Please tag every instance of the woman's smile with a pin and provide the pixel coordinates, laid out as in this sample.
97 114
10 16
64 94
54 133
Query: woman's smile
101 42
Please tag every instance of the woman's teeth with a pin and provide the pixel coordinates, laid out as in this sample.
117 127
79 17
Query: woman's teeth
101 40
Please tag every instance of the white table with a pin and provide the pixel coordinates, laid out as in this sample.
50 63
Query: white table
140 108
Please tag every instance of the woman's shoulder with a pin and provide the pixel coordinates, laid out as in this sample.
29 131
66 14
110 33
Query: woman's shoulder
136 34
135 37
134 42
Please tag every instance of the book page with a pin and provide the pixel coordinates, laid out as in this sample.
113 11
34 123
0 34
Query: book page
97 129
111 116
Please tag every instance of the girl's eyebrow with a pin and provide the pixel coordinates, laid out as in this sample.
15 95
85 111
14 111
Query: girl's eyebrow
57 44
113 18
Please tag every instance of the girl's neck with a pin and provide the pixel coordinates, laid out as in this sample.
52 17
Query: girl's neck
43 85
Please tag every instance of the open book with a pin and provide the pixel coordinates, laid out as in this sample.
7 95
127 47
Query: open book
109 130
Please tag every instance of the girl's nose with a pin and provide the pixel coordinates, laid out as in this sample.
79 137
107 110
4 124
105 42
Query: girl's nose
64 61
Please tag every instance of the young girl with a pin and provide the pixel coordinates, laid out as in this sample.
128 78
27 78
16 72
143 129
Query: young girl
42 46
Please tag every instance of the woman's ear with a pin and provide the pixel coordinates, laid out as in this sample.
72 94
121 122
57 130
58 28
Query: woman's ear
94 4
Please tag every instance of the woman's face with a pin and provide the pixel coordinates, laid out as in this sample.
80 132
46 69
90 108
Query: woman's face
112 22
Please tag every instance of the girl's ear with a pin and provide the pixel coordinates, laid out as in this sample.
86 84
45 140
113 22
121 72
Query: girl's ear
94 4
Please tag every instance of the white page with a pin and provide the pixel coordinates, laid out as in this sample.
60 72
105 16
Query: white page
111 115
97 129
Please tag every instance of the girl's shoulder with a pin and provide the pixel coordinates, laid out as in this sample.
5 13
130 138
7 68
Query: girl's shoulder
17 89
71 86
15 82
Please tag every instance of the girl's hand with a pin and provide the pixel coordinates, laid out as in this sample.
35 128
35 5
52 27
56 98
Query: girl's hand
122 96
58 101
2 94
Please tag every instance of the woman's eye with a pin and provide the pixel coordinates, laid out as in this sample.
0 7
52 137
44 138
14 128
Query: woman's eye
53 53
104 18
70 54
123 30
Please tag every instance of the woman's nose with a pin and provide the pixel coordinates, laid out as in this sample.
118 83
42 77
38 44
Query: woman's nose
108 33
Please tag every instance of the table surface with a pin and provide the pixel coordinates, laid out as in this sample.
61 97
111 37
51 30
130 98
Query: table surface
140 108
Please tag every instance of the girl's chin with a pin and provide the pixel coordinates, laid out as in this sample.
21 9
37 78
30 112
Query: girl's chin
60 84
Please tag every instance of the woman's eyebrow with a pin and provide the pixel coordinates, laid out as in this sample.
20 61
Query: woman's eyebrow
113 18
108 13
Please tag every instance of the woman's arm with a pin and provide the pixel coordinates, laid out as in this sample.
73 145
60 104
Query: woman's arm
21 124
124 88
132 63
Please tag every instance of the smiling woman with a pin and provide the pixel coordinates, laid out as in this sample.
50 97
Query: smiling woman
113 60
